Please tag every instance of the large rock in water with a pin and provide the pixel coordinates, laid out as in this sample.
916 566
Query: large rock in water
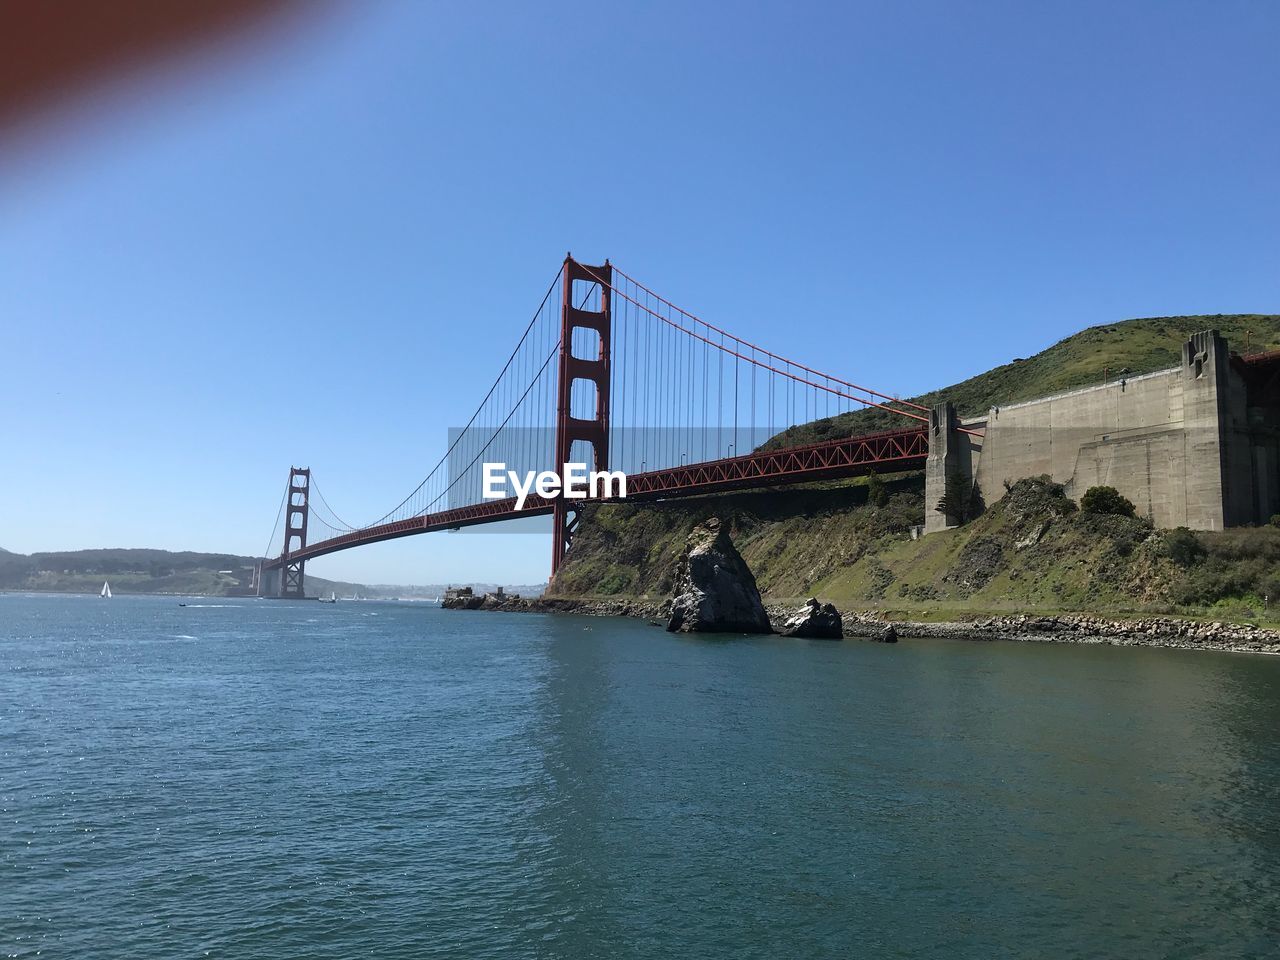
715 591
818 620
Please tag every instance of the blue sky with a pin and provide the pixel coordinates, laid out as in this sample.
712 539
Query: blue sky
315 251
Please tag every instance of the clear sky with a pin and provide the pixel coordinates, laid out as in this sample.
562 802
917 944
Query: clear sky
314 252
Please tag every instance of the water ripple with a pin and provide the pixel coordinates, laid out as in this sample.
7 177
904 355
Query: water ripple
254 779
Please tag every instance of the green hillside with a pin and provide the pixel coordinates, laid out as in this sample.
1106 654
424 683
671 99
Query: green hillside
1132 346
790 541
1032 551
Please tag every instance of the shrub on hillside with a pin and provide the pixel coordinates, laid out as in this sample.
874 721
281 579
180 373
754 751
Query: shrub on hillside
900 512
877 492
1244 543
1238 564
1208 583
1275 520
1183 547
1107 500
1037 495
1126 533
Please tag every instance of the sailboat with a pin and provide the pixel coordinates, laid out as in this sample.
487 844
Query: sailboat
106 591
332 598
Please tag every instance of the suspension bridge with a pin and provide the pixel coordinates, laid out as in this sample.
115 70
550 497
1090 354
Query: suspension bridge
610 374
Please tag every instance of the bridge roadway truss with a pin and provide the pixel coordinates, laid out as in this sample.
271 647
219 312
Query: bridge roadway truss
889 452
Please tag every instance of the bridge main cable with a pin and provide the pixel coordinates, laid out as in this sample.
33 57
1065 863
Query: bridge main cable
458 439
922 415
678 461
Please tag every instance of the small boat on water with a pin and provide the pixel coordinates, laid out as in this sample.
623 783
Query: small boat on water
332 598
106 590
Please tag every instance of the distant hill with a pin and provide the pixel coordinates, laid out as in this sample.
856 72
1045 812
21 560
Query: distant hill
130 571
185 573
1130 347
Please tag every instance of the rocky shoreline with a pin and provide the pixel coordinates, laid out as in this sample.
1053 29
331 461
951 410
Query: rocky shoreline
1061 628
1087 628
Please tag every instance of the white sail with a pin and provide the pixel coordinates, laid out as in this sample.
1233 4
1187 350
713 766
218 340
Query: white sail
106 590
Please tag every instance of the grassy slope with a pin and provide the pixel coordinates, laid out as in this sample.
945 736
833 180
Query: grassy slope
1141 346
1032 551
830 542
790 542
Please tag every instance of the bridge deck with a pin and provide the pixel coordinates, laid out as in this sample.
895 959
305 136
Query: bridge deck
892 451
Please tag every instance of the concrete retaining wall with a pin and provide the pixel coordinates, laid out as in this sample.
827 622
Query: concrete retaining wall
1182 444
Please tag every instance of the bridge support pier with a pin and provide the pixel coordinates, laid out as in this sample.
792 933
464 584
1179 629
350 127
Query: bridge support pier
953 456
593 370
943 462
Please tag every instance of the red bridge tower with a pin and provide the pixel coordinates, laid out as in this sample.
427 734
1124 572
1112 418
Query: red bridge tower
594 370
295 533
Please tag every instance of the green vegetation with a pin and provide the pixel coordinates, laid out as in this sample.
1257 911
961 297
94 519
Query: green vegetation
1130 348
1183 547
791 542
1107 500
877 491
1237 570
1033 550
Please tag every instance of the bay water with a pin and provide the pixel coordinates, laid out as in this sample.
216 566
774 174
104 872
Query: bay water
240 778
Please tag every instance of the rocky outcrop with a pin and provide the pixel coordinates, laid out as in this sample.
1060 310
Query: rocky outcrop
820 621
583 606
463 602
715 591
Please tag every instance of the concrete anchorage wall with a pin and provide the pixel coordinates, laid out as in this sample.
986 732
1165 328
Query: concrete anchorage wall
1178 443
952 451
